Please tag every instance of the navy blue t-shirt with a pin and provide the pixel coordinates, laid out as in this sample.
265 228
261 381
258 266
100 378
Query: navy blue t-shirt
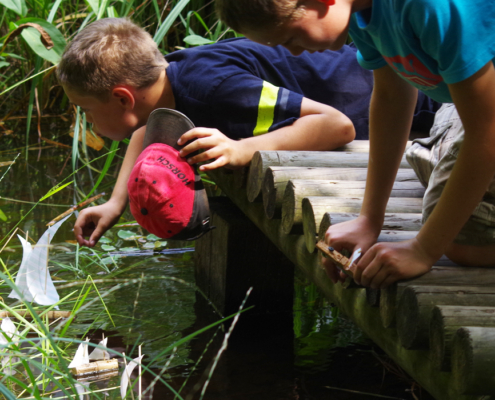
243 88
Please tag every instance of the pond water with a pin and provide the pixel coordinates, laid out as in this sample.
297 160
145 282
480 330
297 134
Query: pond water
311 354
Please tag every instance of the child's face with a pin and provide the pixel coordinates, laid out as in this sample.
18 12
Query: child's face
109 118
319 28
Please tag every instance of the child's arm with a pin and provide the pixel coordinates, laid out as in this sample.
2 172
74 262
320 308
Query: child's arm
473 171
392 107
95 221
320 127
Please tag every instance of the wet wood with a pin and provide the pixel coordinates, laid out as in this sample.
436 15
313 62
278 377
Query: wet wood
318 159
226 265
473 352
27 314
276 179
445 321
416 303
297 190
96 367
316 222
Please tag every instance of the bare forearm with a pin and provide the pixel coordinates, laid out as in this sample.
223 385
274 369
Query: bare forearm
475 165
119 194
391 112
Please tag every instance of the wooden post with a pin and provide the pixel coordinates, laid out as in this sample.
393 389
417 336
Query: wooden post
235 256
276 179
473 352
416 304
445 321
297 190
318 159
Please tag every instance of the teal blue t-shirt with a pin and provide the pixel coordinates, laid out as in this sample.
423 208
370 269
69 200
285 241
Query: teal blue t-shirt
429 43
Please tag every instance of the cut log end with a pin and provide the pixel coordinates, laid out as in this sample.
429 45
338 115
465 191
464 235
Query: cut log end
439 359
408 315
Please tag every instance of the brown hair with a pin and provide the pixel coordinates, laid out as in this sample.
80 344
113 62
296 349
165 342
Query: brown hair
108 52
255 14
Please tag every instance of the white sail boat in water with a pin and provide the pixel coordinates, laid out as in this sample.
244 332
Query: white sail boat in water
33 279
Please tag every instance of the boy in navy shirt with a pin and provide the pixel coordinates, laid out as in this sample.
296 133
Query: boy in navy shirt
444 48
245 97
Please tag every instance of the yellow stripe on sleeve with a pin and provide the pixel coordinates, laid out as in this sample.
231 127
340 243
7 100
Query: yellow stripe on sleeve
266 108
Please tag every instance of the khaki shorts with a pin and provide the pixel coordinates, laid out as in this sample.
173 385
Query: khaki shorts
433 158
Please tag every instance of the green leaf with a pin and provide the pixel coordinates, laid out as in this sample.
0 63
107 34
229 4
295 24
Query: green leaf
105 240
94 4
18 6
3 217
32 38
107 248
152 237
4 64
196 40
54 190
127 235
129 249
171 17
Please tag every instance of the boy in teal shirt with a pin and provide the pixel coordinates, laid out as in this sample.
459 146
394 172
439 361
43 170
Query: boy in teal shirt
445 49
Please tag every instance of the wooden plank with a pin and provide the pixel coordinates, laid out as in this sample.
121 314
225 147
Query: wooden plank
276 179
326 159
297 190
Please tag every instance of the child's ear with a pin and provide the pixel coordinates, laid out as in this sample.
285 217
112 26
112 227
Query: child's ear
124 96
327 2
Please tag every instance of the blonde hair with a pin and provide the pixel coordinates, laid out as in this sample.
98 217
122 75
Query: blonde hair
109 52
256 14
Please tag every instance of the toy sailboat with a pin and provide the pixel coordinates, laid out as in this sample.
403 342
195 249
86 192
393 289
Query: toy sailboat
33 279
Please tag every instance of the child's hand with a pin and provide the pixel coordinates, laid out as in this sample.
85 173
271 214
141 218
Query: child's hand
215 145
94 222
350 235
385 263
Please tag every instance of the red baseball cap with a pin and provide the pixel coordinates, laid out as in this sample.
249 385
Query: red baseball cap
166 194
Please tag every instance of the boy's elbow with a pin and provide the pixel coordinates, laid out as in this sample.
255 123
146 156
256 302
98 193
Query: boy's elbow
343 134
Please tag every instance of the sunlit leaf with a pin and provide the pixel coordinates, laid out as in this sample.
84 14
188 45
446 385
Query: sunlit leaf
18 6
32 38
94 4
107 247
196 40
4 64
127 235
3 217
54 190
152 237
129 249
105 240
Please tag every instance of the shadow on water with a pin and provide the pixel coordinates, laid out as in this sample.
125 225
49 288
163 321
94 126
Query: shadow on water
313 353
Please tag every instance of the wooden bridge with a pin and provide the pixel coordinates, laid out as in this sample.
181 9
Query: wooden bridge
439 327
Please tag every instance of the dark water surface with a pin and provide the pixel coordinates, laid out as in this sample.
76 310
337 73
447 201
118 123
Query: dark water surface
310 354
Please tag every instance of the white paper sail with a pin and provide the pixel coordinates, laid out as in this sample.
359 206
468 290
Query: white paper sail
82 389
99 354
10 330
33 279
126 375
81 357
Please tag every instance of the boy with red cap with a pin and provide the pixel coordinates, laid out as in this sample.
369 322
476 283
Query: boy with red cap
444 48
245 97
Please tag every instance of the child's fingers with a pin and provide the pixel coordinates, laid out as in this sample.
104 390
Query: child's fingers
219 162
195 133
